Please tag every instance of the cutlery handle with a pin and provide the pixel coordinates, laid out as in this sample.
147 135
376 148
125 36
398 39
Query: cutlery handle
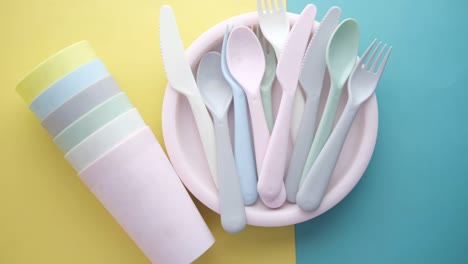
206 132
233 217
325 126
261 134
265 89
304 139
315 183
299 104
270 182
243 148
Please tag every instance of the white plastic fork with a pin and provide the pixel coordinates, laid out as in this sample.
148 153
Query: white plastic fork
361 85
274 23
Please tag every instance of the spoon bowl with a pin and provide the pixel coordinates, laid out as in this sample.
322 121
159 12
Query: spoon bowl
245 59
214 88
342 50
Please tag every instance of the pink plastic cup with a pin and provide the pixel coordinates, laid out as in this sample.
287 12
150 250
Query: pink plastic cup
138 186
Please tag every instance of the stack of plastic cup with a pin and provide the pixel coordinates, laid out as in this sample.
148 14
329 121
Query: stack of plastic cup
115 153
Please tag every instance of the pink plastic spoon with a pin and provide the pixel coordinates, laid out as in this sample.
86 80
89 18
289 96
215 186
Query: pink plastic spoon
246 63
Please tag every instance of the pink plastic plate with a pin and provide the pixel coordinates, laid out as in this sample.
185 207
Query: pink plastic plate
187 156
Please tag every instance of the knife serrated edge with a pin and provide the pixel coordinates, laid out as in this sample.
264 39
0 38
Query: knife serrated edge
315 55
176 65
181 78
292 73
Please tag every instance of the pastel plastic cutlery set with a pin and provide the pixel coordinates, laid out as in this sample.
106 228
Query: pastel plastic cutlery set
262 162
242 121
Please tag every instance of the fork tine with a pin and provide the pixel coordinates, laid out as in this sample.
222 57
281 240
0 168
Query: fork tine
384 62
273 5
366 65
372 69
267 6
259 7
281 5
364 56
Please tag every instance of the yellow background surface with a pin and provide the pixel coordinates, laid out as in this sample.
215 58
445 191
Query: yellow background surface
46 214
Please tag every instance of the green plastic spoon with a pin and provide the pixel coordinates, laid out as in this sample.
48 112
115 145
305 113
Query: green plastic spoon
341 57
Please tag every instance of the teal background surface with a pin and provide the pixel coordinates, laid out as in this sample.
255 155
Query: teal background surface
411 205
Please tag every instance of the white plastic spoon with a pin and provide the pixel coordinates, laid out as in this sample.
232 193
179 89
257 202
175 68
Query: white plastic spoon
217 95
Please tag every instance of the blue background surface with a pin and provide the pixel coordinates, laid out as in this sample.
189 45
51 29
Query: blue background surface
411 206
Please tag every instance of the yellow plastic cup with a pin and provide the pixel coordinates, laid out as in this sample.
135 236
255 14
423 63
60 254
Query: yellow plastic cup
53 69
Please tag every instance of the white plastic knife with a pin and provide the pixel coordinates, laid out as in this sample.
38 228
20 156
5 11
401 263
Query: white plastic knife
180 76
311 79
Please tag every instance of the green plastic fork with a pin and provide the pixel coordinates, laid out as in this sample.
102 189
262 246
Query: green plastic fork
268 76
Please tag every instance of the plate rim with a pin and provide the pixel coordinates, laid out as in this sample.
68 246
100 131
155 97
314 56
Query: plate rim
271 218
